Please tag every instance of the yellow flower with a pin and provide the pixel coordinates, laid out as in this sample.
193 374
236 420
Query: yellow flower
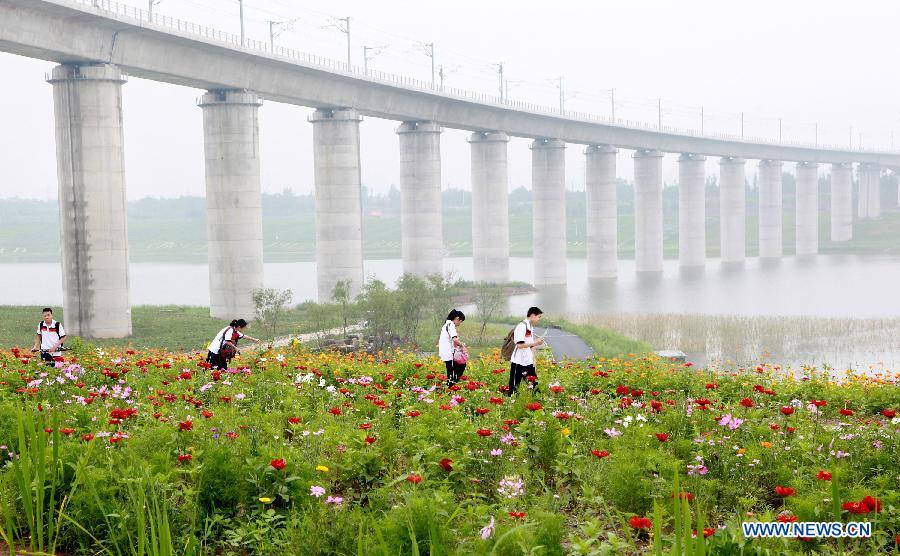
766 444
741 451
265 500
322 468
566 431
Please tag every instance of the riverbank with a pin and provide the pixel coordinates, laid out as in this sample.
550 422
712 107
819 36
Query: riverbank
186 329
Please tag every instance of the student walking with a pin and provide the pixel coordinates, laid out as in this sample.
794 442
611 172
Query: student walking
451 349
522 361
224 346
49 337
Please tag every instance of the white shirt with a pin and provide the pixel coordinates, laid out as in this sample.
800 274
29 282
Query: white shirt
523 333
445 342
48 335
233 335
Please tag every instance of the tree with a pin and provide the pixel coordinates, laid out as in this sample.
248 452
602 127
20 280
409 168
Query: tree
340 294
489 300
269 304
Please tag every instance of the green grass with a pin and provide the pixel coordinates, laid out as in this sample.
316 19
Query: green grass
154 326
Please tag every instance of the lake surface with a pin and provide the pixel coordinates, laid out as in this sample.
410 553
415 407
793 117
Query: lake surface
823 286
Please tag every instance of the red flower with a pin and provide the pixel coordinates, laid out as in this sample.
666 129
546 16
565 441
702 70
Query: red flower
186 425
511 422
708 532
482 410
278 464
413 413
640 523
874 504
66 431
563 415
534 406
599 454
747 402
557 389
791 429
207 414
684 495
818 403
365 426
823 475
662 436
484 432
622 390
785 491
787 410
517 515
856 507
87 437
846 412
414 479
447 464
656 405
335 411
294 420
711 386
496 401
185 457
787 518
370 440
889 413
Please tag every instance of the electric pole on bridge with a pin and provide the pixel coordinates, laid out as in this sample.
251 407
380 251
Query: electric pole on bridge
150 4
346 30
241 2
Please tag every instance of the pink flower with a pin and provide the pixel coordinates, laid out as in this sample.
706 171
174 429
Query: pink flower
316 491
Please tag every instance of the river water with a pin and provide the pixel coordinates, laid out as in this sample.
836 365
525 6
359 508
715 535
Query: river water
837 286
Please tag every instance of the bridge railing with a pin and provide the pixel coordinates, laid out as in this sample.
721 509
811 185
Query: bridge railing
193 30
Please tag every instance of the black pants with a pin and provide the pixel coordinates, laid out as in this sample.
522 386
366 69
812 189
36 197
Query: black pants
454 371
517 373
216 361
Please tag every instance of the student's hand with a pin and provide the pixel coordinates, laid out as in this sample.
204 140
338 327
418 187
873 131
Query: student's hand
539 342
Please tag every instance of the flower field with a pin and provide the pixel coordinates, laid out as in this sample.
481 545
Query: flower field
293 452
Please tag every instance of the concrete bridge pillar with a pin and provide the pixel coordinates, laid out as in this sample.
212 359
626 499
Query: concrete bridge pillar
648 229
691 210
338 204
93 225
732 210
841 202
869 201
602 215
490 206
807 208
233 201
421 229
548 190
770 209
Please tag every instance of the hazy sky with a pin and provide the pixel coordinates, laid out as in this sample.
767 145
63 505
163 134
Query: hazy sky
805 62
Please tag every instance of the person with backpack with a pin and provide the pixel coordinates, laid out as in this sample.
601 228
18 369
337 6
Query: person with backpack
224 346
451 349
49 337
520 346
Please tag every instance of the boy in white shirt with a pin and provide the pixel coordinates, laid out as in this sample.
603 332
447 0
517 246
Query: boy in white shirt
522 360
49 337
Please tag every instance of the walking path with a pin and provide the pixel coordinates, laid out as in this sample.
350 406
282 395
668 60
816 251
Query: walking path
565 345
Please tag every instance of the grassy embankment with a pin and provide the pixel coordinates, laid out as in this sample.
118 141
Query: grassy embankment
30 233
191 328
